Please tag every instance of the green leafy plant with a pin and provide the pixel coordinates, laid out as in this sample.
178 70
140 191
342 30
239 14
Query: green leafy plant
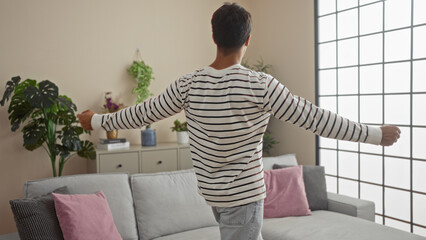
260 66
268 142
49 120
179 127
143 75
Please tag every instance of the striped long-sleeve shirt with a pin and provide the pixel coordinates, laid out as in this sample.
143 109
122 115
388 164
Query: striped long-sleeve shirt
227 113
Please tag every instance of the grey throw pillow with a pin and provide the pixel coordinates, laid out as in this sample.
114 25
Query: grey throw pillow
315 186
36 218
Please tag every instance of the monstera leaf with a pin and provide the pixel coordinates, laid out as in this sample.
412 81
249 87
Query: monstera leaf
87 150
42 97
34 135
65 103
10 87
19 110
70 138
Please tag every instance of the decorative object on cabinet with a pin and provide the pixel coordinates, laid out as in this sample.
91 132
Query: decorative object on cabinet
49 119
143 75
137 159
181 131
110 107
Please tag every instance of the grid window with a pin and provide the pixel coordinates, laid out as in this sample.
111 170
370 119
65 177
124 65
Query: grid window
371 68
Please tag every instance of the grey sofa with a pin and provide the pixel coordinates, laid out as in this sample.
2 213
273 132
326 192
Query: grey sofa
166 206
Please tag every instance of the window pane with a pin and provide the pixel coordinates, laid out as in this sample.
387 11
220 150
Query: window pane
326 6
371 109
419 231
397 45
348 188
328 159
327 28
419 149
348 165
327 82
419 39
373 193
370 148
371 79
402 147
331 184
371 18
397 224
397 14
397 204
419 76
419 11
419 109
348 107
362 2
397 172
328 103
397 109
327 53
348 52
379 219
419 176
341 5
397 77
346 145
348 80
419 209
371 49
347 23
327 142
371 168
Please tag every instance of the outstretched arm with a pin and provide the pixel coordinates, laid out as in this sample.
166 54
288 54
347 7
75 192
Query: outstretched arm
155 109
282 104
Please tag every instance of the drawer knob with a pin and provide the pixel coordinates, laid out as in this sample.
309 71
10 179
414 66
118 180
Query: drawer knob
119 165
159 162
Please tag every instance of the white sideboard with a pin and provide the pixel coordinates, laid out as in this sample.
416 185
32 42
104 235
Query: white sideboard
138 159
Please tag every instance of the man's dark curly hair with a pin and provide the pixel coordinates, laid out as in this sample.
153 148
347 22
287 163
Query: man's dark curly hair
231 25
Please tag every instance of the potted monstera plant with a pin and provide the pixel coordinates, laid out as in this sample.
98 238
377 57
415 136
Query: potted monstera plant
48 121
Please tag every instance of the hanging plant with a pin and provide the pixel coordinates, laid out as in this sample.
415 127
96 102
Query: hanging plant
142 73
49 119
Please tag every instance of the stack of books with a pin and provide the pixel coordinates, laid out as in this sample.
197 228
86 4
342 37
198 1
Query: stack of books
113 144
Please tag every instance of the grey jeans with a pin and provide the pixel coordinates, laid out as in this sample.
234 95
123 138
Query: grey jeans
240 222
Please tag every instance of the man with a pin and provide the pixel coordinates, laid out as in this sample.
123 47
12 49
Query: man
227 108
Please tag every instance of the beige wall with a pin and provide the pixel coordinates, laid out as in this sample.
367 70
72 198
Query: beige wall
85 47
283 35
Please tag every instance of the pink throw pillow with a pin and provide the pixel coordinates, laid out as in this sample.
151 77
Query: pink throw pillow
285 193
85 216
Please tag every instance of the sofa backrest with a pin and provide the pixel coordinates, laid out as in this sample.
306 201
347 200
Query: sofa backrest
115 186
167 203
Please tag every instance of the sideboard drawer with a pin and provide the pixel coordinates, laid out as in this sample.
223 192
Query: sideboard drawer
159 161
185 158
119 162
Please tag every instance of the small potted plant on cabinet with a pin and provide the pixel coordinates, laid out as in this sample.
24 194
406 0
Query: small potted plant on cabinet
182 131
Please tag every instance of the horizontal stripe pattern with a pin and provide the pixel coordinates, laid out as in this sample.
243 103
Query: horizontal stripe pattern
228 112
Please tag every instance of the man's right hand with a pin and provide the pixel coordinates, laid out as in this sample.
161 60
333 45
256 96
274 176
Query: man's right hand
85 119
390 135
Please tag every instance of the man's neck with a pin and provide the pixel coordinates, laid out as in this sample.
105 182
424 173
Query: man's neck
225 61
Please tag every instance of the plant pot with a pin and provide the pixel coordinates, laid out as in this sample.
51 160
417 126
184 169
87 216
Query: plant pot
113 134
149 137
182 137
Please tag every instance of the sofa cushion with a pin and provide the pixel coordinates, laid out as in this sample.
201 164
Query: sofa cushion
207 233
168 203
285 193
326 225
115 186
315 186
286 159
85 216
35 218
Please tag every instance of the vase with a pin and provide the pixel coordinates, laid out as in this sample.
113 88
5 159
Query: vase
182 137
149 137
113 134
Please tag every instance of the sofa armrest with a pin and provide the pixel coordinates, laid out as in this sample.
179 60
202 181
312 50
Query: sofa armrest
351 206
10 236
